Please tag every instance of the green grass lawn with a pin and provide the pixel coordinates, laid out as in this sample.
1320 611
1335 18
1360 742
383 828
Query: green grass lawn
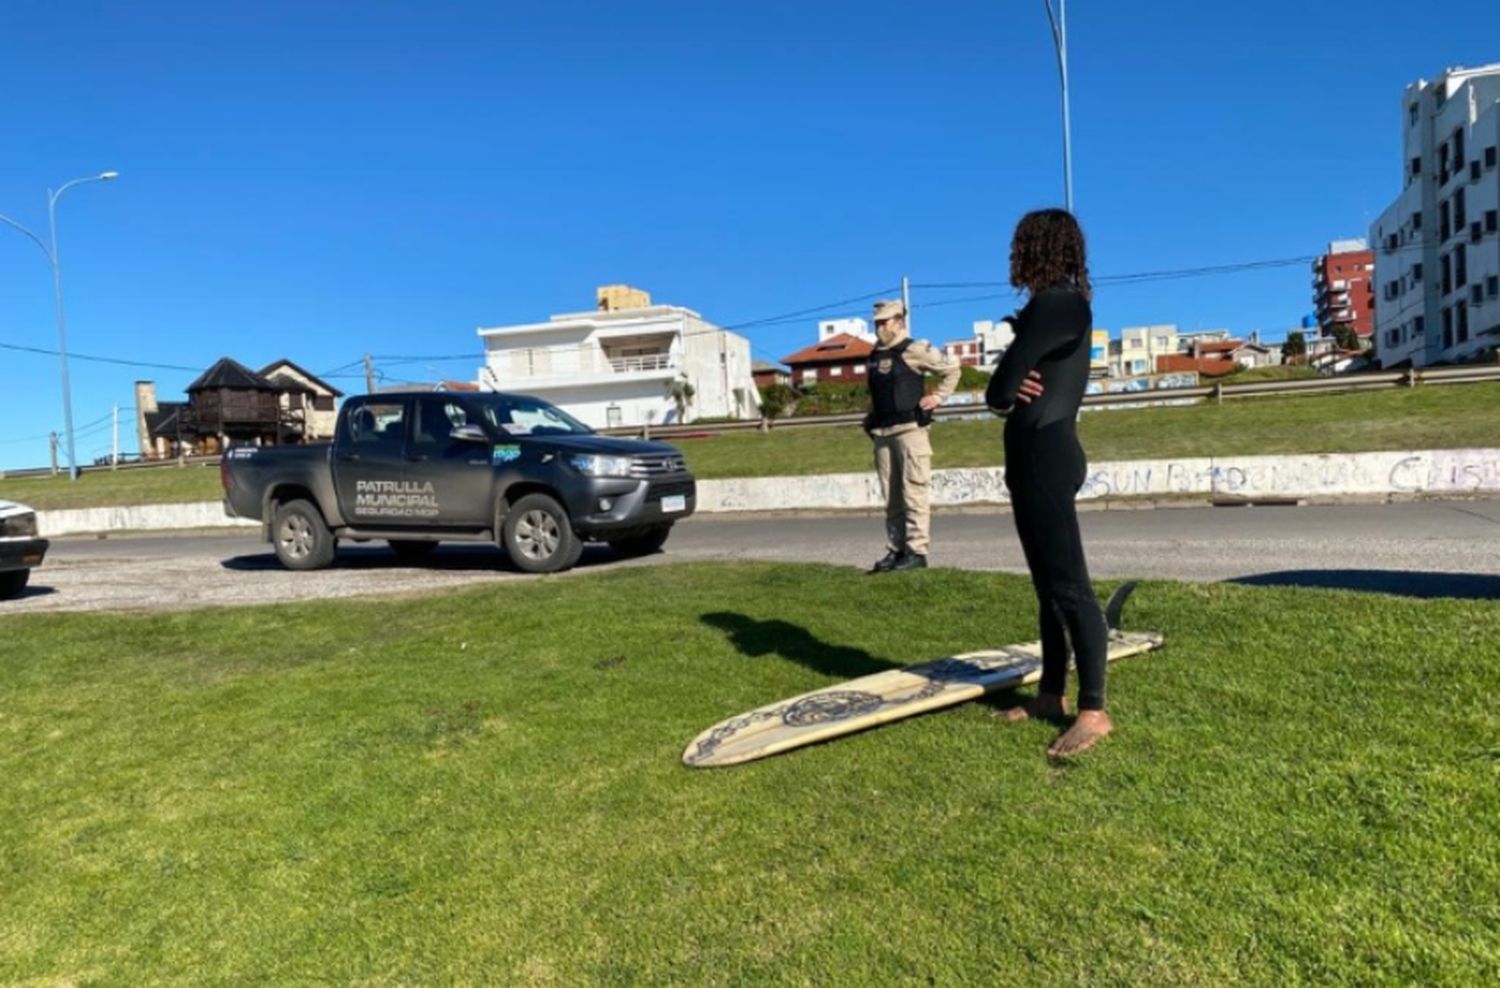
1430 417
484 787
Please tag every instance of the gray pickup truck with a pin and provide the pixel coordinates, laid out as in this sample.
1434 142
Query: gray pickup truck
419 468
20 548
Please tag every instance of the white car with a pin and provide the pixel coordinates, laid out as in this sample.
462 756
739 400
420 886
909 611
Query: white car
20 548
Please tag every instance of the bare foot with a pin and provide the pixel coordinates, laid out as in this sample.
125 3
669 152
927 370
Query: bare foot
1086 731
1045 706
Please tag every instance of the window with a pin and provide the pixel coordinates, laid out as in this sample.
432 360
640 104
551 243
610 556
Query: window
1411 113
860 368
1447 328
1445 228
835 371
1460 266
1490 156
1416 273
1491 220
1458 149
810 376
1416 220
379 426
1463 321
433 425
1476 294
323 403
1447 273
1492 286
1460 214
1418 326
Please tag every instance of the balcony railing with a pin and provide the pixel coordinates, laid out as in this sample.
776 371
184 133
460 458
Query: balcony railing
643 362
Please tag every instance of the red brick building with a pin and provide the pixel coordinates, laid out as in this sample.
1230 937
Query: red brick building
841 359
969 353
1344 287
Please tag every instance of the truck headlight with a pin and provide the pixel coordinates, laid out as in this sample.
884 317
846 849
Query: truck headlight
601 466
19 526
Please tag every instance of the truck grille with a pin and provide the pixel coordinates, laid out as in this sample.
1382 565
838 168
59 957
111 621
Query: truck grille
670 489
661 465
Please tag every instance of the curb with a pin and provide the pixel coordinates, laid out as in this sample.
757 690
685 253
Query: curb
1122 485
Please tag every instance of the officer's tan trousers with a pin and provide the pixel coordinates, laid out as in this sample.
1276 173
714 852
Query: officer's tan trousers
904 463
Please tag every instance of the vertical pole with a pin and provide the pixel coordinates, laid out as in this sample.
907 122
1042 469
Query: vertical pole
1059 23
62 335
369 375
52 447
114 448
906 301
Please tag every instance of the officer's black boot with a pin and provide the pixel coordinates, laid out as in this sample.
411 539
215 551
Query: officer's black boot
886 562
910 560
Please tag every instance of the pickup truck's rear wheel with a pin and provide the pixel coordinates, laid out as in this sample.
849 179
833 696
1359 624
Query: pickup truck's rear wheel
643 542
12 583
412 550
538 536
300 536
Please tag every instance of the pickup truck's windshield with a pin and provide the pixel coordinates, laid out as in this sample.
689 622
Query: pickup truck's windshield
523 416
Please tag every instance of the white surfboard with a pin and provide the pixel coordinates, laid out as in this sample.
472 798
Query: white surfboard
882 697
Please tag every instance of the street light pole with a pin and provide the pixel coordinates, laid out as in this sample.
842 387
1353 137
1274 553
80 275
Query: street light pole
1059 22
62 326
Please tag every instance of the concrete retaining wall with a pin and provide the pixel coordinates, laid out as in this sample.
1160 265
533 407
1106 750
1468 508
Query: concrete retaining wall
1433 472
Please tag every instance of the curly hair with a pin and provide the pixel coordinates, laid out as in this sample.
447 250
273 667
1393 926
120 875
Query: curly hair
1048 250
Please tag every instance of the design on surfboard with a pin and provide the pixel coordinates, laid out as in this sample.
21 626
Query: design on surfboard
834 705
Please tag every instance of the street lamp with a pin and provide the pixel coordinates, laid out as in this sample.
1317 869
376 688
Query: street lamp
62 326
1059 22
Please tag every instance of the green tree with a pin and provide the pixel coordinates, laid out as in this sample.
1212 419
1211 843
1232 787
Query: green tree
681 391
1295 348
1345 336
776 400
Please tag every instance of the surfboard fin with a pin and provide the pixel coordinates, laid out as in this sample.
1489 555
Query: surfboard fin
1116 606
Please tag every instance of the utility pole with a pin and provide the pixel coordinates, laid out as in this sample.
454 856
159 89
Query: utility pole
906 300
52 442
114 447
1059 22
369 375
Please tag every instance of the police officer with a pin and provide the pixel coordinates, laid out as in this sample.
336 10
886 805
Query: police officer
899 416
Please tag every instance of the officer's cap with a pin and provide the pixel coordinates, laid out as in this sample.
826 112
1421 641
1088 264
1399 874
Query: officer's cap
889 309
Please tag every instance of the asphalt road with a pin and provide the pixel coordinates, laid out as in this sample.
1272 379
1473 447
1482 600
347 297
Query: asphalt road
1429 548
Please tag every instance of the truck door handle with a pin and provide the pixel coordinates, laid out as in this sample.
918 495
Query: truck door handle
348 457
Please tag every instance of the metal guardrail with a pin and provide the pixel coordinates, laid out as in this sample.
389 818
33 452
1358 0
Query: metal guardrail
1371 381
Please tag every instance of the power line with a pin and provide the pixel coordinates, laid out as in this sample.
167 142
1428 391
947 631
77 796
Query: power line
43 351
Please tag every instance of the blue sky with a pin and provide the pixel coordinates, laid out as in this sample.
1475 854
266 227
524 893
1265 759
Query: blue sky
318 180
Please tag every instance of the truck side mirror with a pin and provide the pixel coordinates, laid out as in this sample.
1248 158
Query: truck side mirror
469 434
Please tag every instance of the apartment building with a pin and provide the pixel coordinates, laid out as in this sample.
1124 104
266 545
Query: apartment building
1344 287
1437 246
620 365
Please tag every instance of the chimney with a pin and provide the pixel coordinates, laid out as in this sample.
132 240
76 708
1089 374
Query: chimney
145 404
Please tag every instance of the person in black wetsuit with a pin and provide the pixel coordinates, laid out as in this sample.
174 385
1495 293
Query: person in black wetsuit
1039 386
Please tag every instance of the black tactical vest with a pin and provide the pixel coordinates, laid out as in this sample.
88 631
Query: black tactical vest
895 389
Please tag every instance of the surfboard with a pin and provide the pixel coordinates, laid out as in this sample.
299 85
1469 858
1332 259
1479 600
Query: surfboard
895 694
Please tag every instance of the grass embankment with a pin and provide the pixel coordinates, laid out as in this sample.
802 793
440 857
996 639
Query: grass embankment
1429 417
484 787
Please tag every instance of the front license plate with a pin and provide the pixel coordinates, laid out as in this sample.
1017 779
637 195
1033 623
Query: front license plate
676 502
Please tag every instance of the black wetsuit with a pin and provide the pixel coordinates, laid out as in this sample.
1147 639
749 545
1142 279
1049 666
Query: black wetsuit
1044 468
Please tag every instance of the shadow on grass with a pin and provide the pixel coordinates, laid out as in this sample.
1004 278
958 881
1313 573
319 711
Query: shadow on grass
447 558
1462 586
756 639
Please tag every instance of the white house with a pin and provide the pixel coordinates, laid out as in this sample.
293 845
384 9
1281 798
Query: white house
619 366
994 339
1141 345
857 328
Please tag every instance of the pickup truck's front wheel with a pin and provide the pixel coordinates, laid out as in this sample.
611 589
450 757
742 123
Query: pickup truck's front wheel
300 536
538 536
13 582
